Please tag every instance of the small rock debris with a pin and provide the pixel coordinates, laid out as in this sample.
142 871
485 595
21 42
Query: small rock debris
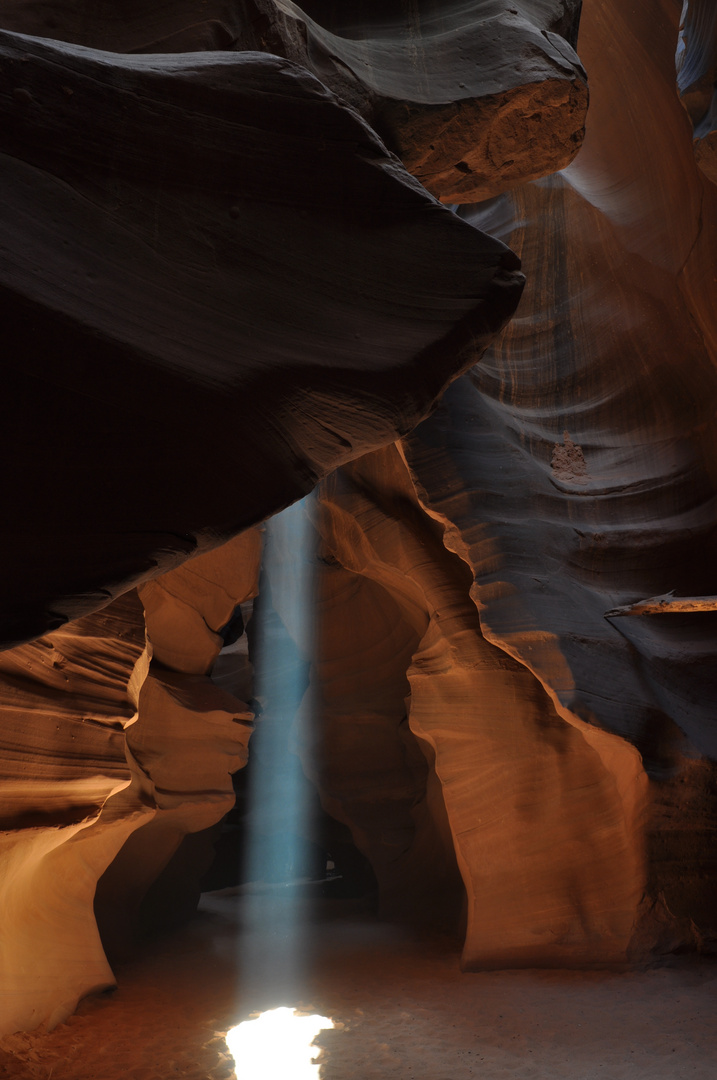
568 462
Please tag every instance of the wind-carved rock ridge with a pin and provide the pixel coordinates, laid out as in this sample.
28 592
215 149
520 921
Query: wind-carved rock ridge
542 812
555 538
115 747
474 96
158 212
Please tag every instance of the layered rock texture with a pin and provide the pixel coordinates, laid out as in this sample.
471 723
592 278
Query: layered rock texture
212 268
231 280
473 95
115 746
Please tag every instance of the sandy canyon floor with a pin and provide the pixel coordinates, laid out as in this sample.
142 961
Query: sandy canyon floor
403 1009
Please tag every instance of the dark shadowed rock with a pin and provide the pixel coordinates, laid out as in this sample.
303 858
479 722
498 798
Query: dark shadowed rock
221 286
475 96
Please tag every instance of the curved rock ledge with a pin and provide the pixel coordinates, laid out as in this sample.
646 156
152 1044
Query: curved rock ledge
573 470
215 273
475 96
109 762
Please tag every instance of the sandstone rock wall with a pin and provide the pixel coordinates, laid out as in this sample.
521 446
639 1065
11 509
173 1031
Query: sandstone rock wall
115 746
224 287
66 701
572 471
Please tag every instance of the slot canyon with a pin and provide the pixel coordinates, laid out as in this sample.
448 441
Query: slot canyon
359 609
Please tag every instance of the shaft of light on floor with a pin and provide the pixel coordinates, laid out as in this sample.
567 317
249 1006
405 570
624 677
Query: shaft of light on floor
272 959
277 1045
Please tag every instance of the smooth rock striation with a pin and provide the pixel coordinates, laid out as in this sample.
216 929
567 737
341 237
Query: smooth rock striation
66 701
474 95
219 280
109 762
572 471
574 468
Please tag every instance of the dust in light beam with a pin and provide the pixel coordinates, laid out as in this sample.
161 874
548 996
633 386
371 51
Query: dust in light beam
277 1046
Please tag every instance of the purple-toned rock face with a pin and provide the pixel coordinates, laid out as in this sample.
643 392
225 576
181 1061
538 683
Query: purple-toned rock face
697 79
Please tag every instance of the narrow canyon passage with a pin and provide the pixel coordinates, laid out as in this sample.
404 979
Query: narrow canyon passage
361 365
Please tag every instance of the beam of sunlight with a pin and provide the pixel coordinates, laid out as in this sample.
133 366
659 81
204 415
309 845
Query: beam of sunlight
278 1045
272 959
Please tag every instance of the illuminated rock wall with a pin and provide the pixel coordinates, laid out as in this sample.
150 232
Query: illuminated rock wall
115 746
542 811
572 471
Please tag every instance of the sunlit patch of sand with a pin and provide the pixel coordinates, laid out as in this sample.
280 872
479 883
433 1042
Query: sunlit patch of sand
277 1045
